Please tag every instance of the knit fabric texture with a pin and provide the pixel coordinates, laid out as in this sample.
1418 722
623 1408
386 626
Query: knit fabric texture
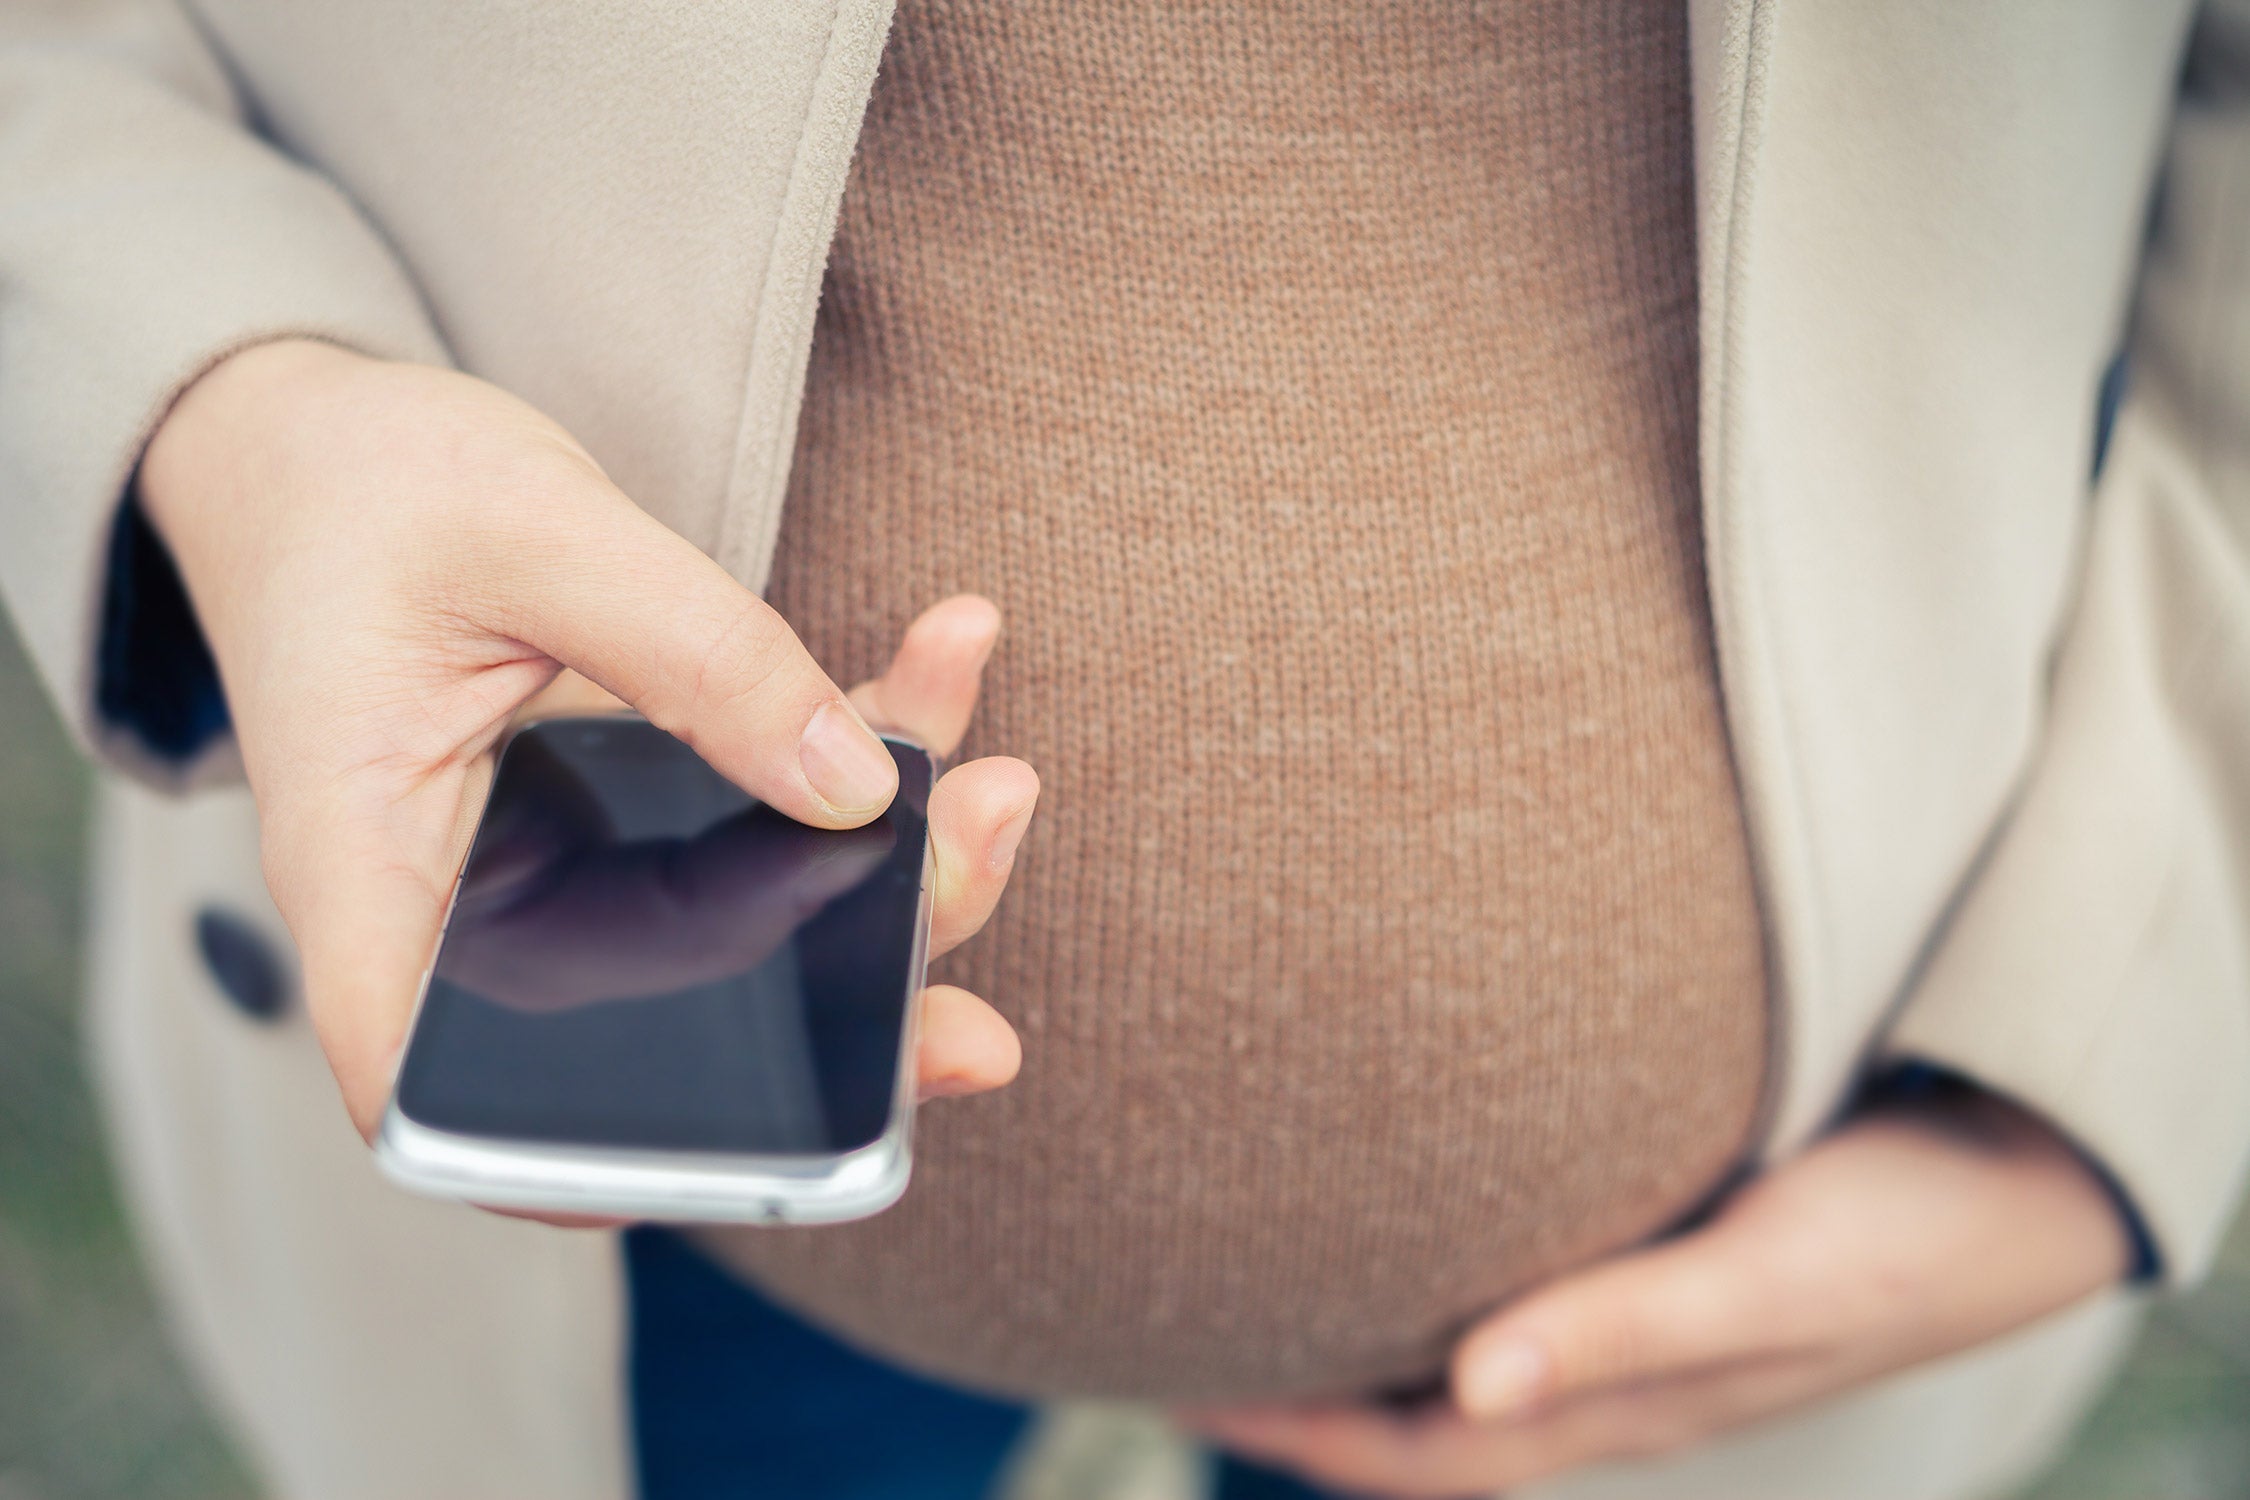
1313 387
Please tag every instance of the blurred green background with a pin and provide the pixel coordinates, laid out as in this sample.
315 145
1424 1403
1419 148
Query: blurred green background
95 1406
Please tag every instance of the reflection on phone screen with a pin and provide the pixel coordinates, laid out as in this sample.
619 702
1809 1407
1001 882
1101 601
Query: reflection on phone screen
644 956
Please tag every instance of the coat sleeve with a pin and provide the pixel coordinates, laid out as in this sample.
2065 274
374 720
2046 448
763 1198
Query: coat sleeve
2098 967
145 233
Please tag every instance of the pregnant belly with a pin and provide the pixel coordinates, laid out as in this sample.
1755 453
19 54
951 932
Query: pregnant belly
1304 1090
1385 940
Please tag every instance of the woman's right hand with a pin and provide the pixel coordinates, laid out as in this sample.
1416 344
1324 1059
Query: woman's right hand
389 559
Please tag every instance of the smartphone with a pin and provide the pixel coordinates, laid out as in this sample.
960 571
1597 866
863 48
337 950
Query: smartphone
656 997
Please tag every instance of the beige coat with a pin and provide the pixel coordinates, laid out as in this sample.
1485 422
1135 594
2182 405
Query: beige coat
1993 724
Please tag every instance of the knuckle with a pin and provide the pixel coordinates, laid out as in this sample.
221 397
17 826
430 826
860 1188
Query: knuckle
964 898
1614 1344
507 491
957 917
735 660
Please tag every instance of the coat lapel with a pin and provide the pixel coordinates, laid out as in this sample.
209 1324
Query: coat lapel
1918 230
1730 43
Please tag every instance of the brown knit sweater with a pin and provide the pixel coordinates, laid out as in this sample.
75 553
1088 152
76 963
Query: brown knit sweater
1312 386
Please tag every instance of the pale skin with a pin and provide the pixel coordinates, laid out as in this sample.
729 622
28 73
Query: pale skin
391 562
1905 1236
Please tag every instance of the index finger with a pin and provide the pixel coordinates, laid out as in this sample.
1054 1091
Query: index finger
1650 1313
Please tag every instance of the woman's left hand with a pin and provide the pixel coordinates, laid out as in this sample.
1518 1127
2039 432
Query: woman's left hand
1913 1232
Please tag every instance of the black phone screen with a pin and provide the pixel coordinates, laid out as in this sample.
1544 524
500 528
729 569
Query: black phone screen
644 956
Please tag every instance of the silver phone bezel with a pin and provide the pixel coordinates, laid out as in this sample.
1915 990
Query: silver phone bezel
682 1186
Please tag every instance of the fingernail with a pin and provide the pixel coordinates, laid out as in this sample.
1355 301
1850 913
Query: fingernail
1005 842
1504 1379
844 761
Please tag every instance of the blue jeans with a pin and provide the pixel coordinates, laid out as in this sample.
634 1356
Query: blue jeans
734 1398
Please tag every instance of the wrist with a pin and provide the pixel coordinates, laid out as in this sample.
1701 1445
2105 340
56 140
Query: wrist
226 416
222 479
2075 1197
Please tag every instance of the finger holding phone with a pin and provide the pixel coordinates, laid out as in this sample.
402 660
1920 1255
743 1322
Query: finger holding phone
390 560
